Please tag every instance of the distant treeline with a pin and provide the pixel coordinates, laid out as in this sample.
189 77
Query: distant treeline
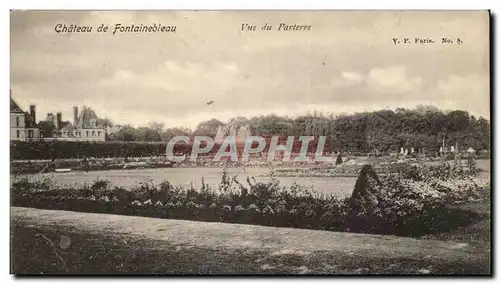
424 127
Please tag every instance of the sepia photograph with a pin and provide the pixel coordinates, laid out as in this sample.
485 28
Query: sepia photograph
250 142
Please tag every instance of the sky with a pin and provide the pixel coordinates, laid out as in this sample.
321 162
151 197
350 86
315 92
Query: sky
347 62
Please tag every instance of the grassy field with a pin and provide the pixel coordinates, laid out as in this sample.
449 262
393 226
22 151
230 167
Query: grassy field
102 244
477 234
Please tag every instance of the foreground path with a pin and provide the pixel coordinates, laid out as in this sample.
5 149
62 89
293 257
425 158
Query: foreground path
112 244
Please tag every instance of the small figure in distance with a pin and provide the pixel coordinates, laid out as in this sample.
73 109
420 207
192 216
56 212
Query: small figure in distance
85 164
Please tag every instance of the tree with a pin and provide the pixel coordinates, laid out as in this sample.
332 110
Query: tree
126 133
169 133
239 121
147 134
156 126
105 122
209 127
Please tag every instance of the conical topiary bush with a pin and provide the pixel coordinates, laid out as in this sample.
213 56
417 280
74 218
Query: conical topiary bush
339 159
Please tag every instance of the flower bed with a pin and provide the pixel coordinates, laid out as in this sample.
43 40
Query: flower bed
411 201
343 170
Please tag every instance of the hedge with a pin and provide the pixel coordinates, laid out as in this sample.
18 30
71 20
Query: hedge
43 150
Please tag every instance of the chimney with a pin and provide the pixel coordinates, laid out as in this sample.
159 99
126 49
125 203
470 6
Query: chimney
59 120
32 112
75 115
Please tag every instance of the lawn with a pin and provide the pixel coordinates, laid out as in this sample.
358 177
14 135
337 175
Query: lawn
102 244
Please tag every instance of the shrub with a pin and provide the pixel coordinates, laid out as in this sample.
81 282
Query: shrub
338 161
411 201
450 156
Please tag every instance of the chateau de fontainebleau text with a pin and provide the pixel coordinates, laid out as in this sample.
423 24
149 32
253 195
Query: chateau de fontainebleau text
162 28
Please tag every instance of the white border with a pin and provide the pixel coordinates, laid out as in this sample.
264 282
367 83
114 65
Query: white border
255 4
202 5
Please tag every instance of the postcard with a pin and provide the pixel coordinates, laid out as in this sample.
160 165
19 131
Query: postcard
250 142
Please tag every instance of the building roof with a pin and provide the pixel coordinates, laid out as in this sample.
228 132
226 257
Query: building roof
14 107
85 119
29 121
67 126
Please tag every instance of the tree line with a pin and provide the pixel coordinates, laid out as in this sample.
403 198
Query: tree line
425 127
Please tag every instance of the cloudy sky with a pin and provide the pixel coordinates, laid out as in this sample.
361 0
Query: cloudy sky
347 62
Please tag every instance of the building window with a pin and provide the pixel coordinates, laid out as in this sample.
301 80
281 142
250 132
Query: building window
93 133
17 122
87 133
30 134
17 133
98 133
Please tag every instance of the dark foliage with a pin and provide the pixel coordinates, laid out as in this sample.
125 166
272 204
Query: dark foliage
259 203
41 150
338 161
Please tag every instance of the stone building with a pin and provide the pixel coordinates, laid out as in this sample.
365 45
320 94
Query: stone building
23 125
86 126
